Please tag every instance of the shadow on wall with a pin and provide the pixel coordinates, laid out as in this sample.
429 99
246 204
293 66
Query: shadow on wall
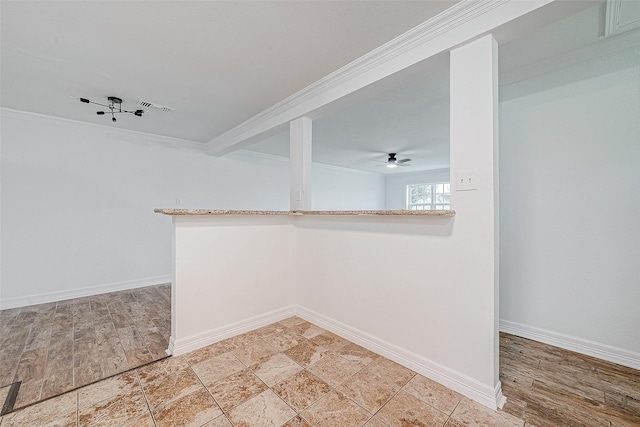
430 226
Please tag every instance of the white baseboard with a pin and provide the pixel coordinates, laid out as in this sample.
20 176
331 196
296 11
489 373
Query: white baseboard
194 342
81 292
579 345
488 396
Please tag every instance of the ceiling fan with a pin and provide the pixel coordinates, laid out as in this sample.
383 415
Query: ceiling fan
392 162
114 106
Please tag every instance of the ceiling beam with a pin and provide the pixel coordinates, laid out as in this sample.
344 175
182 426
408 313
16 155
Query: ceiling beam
462 22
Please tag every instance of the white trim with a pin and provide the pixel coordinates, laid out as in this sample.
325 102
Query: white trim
6 303
440 33
117 133
500 398
579 345
612 20
172 346
194 342
488 396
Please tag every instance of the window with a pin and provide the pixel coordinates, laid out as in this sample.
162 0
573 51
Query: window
434 196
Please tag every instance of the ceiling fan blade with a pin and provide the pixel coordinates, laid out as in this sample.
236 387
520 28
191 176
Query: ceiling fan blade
403 161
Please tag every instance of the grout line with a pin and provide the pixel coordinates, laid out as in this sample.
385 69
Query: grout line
144 394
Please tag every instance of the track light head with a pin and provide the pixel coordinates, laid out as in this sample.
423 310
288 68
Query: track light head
113 119
100 113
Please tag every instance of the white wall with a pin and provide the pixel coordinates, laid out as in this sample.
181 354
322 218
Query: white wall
396 185
335 188
570 204
78 199
332 187
228 271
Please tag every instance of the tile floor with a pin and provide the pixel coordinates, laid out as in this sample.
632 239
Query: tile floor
288 374
56 347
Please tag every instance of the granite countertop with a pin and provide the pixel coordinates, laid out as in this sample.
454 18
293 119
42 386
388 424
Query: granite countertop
305 213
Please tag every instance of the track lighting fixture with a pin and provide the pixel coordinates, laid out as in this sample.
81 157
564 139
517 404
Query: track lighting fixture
114 106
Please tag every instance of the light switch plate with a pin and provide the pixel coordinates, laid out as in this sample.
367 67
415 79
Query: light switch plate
467 180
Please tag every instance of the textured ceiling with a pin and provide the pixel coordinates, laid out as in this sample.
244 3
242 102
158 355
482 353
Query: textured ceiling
218 63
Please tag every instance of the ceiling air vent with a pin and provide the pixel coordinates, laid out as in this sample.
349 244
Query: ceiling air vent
147 104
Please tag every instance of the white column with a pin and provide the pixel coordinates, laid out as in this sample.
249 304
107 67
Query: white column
300 163
474 186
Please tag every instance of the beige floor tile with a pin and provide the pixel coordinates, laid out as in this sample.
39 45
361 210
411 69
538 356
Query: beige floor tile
307 330
212 370
169 386
335 409
291 321
297 422
240 341
306 353
284 340
375 422
208 352
263 410
471 413
405 410
276 369
119 385
355 353
221 421
434 394
144 421
391 370
58 408
236 389
274 328
114 411
301 390
334 369
368 390
255 352
329 341
192 410
68 420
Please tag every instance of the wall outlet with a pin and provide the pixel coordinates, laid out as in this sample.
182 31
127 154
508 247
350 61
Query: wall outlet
178 201
467 180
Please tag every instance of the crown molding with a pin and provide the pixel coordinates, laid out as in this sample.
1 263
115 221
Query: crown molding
460 23
612 21
597 49
110 132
